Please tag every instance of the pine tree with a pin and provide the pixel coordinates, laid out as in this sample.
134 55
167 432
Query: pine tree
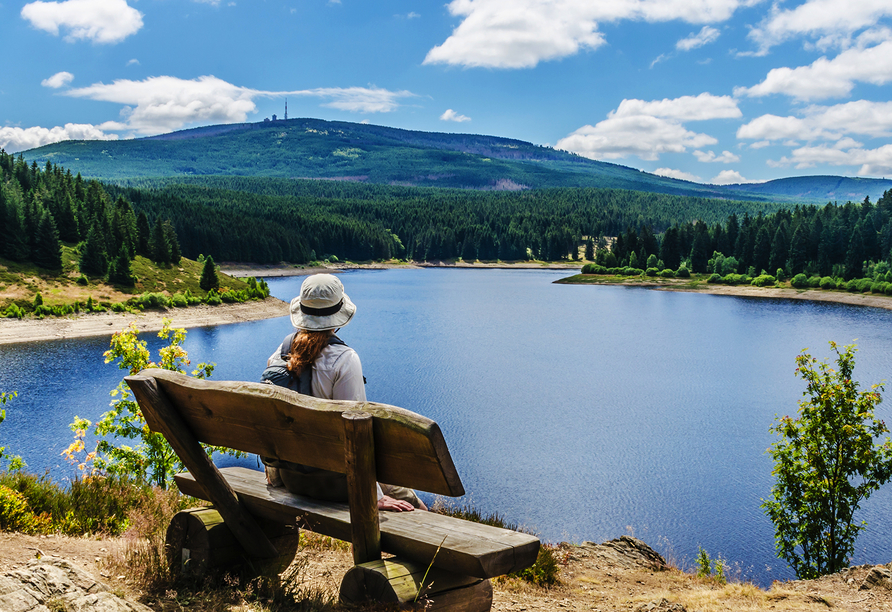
170 236
855 255
94 260
160 247
47 249
144 234
119 272
798 250
209 279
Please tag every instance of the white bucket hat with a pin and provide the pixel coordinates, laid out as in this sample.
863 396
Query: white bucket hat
322 304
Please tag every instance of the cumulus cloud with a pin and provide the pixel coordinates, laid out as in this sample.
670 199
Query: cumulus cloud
165 103
829 78
727 157
522 33
871 162
703 37
100 21
15 139
861 117
648 129
60 79
133 62
830 21
451 115
729 177
677 174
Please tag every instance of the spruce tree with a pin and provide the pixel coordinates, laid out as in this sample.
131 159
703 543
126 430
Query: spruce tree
855 255
94 260
144 234
47 249
160 248
209 279
119 272
170 236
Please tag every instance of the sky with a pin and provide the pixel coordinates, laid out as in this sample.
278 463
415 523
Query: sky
714 91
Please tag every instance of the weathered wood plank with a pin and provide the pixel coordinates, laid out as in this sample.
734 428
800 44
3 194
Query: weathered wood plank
277 422
153 401
470 548
400 582
361 486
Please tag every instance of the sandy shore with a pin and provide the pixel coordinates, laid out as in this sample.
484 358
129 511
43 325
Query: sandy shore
748 291
107 323
270 271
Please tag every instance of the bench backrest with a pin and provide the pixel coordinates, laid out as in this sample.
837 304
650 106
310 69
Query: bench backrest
276 422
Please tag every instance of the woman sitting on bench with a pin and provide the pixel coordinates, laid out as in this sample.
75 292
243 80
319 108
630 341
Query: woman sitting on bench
314 361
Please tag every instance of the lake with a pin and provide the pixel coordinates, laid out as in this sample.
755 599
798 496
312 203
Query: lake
581 412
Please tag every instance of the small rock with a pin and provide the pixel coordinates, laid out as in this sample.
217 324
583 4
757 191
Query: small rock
661 606
878 576
627 552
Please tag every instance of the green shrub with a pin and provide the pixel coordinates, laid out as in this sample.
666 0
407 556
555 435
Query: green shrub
878 287
814 282
179 300
735 279
851 286
118 307
630 271
667 273
13 312
683 272
827 282
651 272
16 514
864 284
800 281
82 280
151 300
888 290
715 278
593 268
213 299
763 280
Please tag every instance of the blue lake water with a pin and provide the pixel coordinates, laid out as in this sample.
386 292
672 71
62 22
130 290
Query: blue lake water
581 412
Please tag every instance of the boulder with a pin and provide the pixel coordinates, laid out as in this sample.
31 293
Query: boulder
626 552
58 584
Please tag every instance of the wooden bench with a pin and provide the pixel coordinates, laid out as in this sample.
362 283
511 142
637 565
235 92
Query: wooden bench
367 441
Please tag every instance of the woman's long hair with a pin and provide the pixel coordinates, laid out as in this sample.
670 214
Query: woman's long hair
305 348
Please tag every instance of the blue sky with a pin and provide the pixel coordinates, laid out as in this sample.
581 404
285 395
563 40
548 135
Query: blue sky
717 91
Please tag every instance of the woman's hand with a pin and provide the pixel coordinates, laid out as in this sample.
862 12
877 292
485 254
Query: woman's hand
394 505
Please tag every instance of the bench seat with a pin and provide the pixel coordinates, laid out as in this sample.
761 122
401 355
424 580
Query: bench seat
469 548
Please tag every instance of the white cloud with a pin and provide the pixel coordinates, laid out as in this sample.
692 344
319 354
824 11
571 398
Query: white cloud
727 157
15 139
101 21
451 115
677 174
60 79
703 37
133 62
872 162
522 33
831 21
162 104
729 177
413 15
829 78
648 129
862 117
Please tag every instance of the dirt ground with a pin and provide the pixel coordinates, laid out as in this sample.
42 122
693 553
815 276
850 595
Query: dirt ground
589 582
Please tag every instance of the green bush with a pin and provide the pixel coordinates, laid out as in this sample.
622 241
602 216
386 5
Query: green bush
593 268
651 271
683 272
151 300
888 290
800 281
715 278
864 285
16 514
851 286
118 307
667 273
763 280
179 300
630 271
82 280
213 299
13 312
878 287
827 282
814 282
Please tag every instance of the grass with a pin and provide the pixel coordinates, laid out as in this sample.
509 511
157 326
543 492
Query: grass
20 282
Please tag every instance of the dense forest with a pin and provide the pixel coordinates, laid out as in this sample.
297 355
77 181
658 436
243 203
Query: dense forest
40 209
849 241
268 220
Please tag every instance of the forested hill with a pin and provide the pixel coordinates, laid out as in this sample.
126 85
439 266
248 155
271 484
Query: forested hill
312 148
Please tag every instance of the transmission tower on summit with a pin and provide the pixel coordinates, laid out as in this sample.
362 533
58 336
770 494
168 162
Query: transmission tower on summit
286 109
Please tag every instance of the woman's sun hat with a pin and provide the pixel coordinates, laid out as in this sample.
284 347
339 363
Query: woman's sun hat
322 304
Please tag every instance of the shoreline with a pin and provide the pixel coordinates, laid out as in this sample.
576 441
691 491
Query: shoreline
15 331
279 270
748 291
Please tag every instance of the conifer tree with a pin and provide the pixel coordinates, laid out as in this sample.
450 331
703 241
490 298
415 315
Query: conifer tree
209 279
47 249
160 247
143 235
94 259
855 255
119 272
173 245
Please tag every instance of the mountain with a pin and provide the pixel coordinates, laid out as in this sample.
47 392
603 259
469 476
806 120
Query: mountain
334 150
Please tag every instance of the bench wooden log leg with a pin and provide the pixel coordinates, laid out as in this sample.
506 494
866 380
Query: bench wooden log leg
198 540
398 582
359 448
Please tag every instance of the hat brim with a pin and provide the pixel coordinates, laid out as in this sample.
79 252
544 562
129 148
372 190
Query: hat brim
302 320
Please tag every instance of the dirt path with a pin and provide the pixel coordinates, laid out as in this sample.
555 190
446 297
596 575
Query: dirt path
105 324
